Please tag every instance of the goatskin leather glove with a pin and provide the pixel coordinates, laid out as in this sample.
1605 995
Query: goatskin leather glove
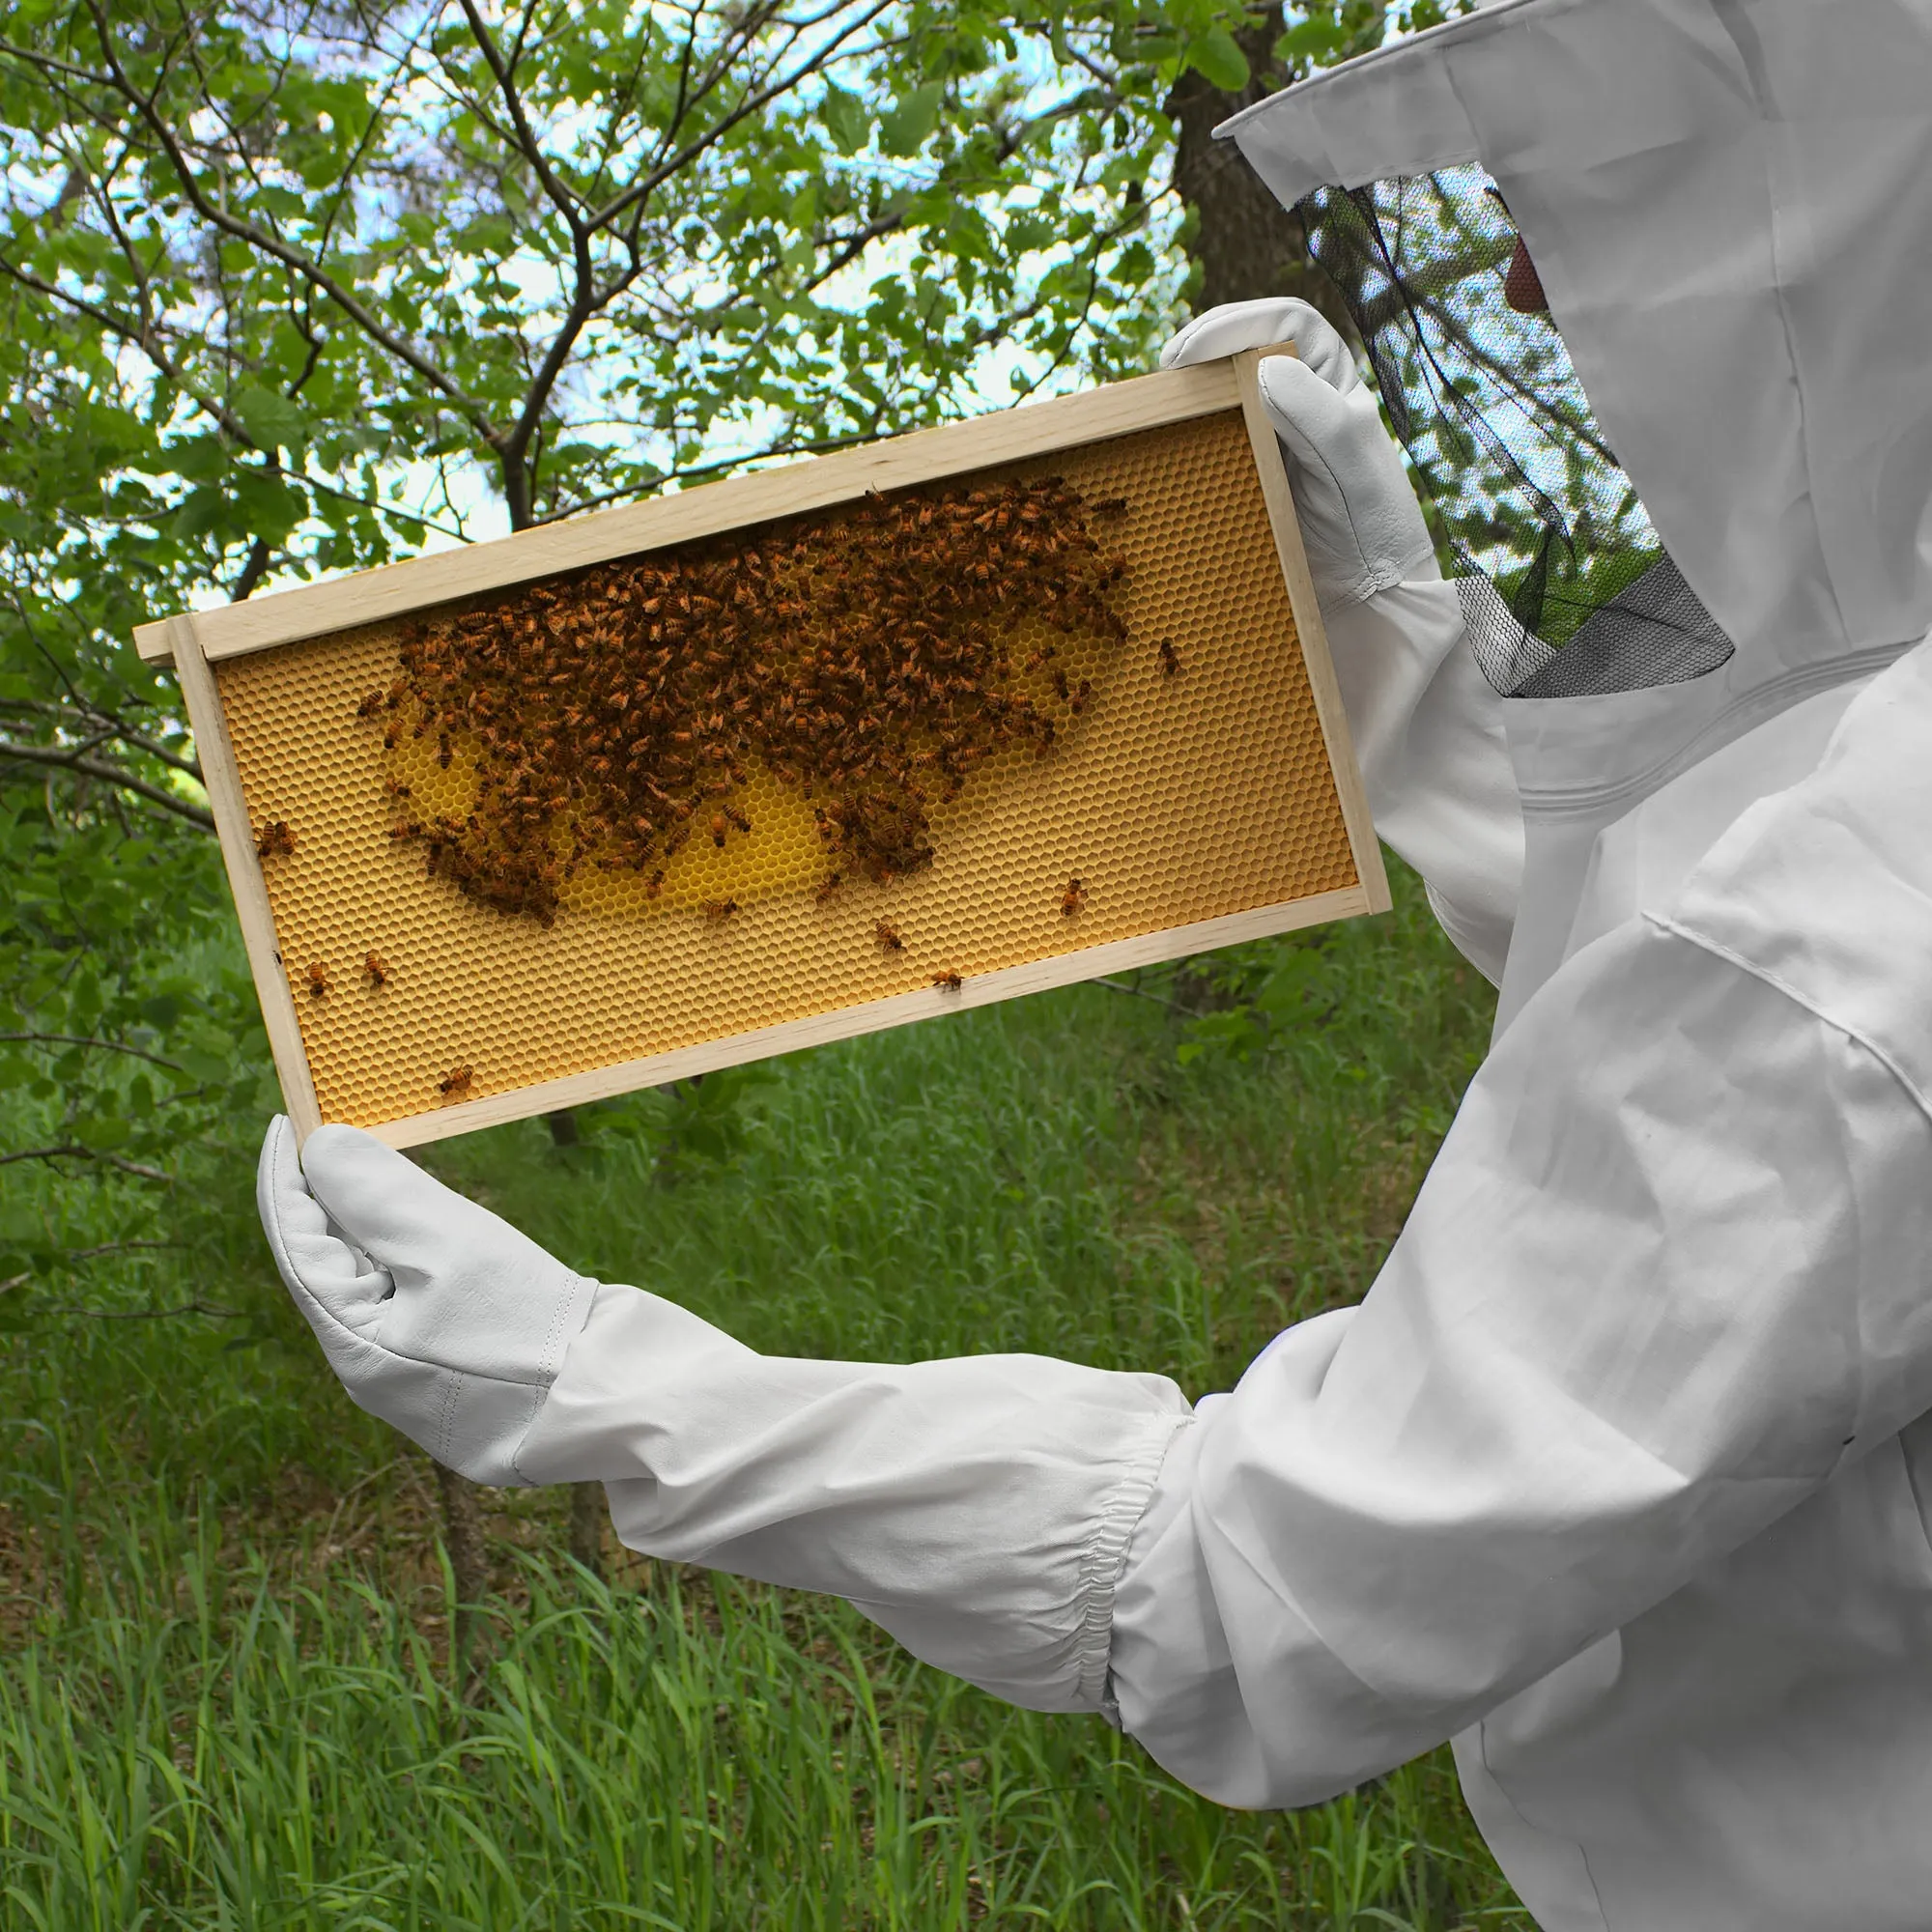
1359 517
438 1316
1428 728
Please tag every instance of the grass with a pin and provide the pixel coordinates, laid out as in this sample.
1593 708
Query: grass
226 1696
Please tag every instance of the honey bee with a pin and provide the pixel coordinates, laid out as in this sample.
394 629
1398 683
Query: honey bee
377 969
1170 663
949 983
654 885
737 818
1111 507
1077 702
275 839
717 824
888 936
718 911
455 1084
830 887
1072 899
318 980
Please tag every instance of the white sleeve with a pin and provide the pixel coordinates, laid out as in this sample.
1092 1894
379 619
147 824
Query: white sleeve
1428 731
977 1507
1666 1276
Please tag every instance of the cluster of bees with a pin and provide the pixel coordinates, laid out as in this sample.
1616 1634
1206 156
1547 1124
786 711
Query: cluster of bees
873 657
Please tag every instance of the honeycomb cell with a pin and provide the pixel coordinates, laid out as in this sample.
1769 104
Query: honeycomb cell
1184 794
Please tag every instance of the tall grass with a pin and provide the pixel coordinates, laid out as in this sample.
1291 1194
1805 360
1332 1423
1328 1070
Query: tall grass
225 1696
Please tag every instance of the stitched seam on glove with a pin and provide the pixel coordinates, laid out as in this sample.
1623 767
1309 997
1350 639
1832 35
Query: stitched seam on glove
312 1304
446 1421
538 1397
1365 584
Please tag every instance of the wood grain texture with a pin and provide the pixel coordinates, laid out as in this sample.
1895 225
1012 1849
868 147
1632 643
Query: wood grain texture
1276 495
222 782
894 463
848 1022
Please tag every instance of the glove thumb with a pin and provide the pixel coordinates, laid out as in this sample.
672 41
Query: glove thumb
1359 515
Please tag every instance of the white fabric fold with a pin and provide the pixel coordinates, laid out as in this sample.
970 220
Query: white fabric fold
977 1507
1435 758
1645 1372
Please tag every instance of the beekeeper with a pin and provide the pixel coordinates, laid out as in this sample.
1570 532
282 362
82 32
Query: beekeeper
1619 1475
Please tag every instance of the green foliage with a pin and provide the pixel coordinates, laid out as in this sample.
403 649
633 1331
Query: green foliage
231 1750
689 1127
290 294
1306 996
221 1704
130 1039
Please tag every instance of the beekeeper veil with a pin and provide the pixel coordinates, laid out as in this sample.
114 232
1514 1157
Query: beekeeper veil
1703 480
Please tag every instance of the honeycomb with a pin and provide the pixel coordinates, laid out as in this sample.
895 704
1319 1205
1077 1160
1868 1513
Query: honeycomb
1179 798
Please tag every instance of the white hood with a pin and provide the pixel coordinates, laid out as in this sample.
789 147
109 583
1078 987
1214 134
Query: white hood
1729 205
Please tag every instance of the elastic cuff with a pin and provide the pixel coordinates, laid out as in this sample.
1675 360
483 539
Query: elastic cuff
1106 1556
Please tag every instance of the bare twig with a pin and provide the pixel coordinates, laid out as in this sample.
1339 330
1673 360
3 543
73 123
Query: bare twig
371 325
1141 993
87 1039
73 1152
210 1310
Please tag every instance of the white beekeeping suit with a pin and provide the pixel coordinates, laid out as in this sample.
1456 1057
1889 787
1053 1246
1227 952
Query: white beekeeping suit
1616 1475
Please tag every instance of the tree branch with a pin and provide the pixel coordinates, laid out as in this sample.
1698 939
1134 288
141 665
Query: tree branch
54 757
272 246
75 1153
83 1039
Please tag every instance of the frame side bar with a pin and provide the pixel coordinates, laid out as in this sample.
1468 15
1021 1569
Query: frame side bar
1313 634
222 778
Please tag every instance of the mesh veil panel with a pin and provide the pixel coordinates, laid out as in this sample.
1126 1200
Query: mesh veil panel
1566 589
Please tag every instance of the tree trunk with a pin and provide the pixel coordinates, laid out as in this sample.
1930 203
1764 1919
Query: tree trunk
587 1500
587 1525
1245 244
470 1569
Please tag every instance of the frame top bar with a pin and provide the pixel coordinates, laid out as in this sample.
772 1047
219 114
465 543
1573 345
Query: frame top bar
892 463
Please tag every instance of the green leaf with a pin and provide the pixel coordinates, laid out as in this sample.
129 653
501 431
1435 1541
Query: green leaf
910 123
846 121
200 511
269 509
1218 61
272 421
282 203
271 418
211 1069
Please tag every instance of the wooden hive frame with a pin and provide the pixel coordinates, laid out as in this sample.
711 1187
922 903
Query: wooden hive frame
1059 430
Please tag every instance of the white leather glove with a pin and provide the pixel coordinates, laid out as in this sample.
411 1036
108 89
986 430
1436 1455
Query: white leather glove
977 1507
438 1316
1427 726
1360 522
